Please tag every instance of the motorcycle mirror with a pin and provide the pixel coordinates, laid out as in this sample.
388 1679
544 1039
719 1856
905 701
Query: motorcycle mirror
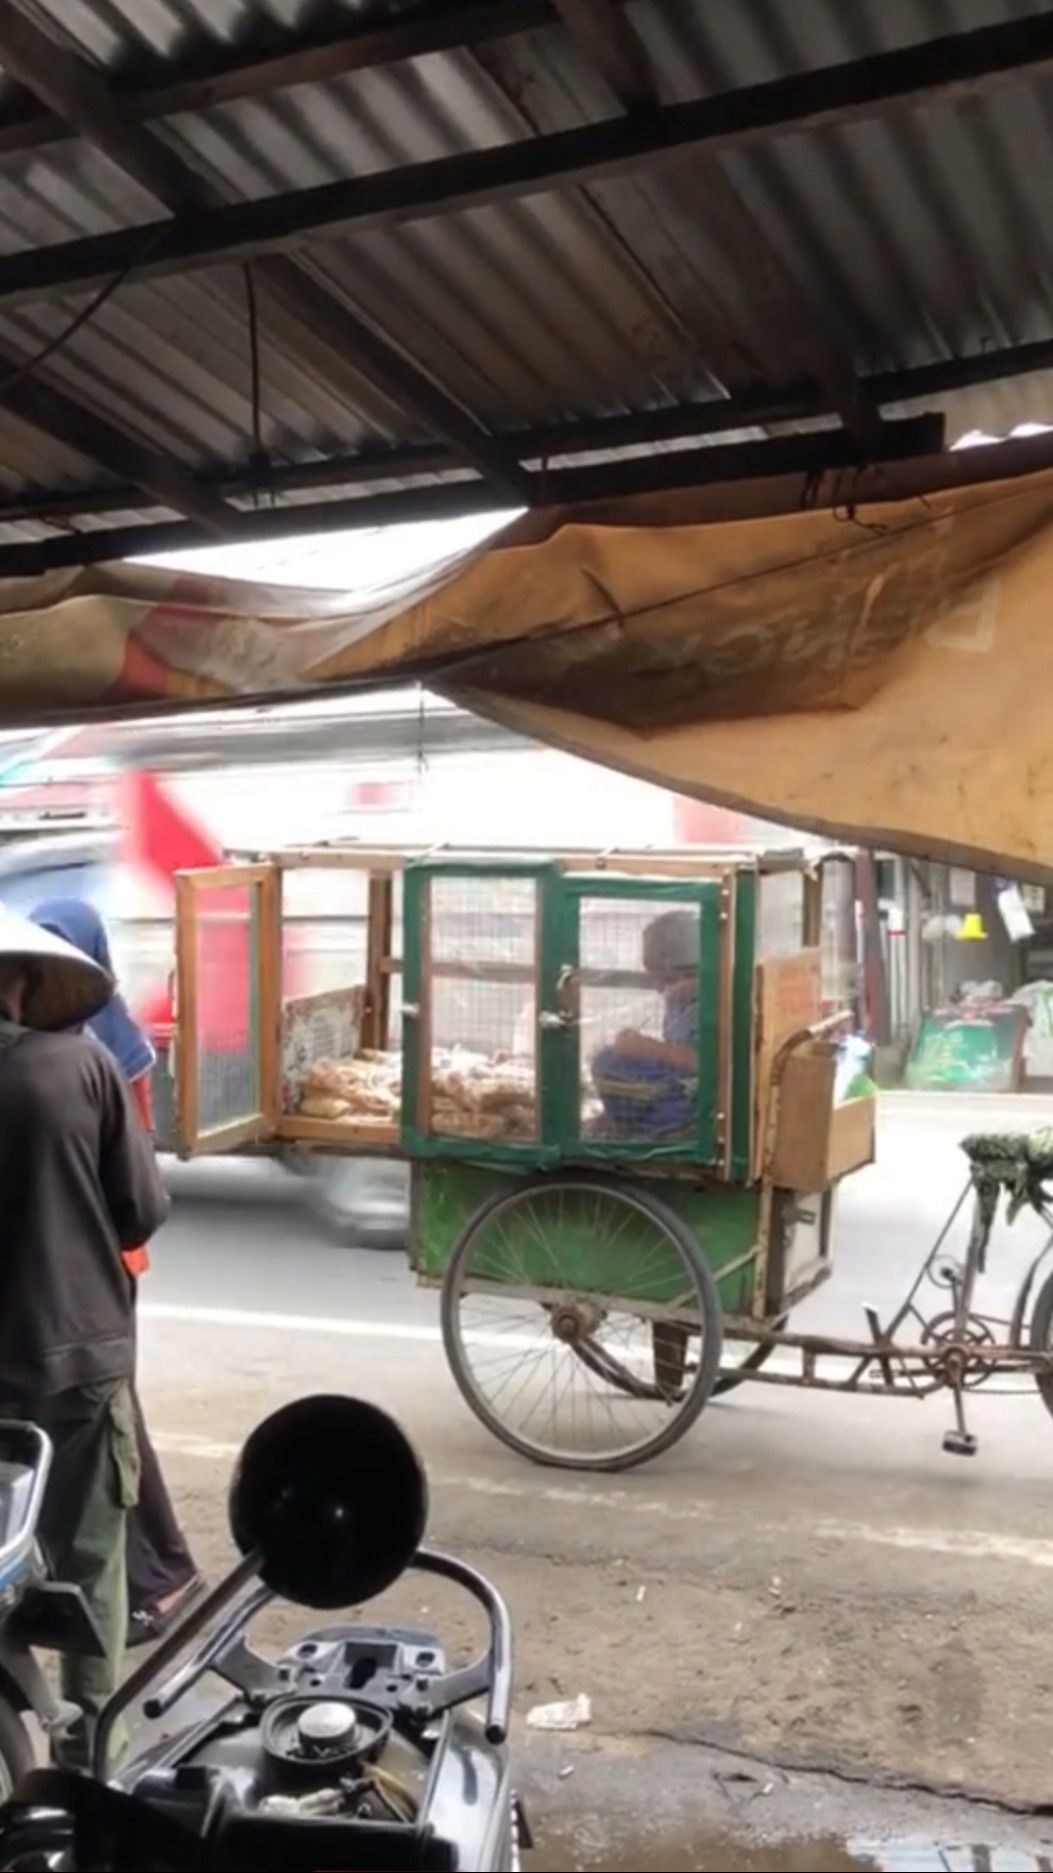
331 1496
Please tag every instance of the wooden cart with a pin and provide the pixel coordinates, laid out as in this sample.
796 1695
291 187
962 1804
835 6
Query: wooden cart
600 1226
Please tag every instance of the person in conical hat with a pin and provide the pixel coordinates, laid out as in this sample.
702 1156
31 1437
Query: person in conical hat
162 1572
80 1184
55 986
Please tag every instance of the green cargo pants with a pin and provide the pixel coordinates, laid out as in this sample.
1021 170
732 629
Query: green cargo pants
94 1481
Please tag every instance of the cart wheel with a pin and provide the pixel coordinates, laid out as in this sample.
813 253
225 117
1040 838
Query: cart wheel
563 1304
729 1379
1041 1339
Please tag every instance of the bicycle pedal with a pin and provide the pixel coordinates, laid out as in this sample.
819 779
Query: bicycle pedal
960 1443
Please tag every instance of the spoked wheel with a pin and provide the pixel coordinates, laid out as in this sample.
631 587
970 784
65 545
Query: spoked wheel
581 1322
729 1378
668 1370
1041 1338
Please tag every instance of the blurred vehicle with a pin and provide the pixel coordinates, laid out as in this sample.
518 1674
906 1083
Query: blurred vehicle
405 771
364 1201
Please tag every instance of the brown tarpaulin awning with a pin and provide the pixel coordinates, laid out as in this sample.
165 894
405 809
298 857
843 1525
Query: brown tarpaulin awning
881 674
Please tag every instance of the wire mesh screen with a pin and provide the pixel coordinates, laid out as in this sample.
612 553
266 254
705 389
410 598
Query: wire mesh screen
838 937
226 939
482 972
326 1074
780 913
638 1013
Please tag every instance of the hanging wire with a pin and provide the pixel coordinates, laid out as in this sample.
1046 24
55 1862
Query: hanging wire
28 366
422 731
259 460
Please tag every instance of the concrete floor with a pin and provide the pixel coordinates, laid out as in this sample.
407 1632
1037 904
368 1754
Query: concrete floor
806 1581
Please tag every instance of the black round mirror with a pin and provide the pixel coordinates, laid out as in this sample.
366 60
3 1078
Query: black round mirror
331 1496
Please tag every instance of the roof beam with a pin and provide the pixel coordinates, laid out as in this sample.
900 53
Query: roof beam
54 414
735 120
671 422
613 46
218 73
802 454
70 86
608 38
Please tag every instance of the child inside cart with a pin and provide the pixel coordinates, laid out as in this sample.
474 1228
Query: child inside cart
648 1083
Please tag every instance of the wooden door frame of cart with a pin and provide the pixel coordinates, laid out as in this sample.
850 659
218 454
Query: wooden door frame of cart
955 1347
261 873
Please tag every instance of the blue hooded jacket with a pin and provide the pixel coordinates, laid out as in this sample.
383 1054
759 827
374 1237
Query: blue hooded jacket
80 924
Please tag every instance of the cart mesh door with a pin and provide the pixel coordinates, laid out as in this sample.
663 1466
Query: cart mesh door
226 959
641 991
472 1077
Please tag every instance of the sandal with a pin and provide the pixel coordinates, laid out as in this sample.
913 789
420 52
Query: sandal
150 1623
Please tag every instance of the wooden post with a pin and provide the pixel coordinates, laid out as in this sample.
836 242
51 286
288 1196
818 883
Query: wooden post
376 1026
269 993
186 1013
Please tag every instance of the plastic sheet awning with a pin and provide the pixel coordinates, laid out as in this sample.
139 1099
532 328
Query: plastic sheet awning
881 674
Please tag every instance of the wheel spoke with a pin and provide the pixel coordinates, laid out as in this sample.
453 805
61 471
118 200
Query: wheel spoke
581 1378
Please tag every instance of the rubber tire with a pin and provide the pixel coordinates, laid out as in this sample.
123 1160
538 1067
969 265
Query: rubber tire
730 1381
16 1749
1039 1336
712 1323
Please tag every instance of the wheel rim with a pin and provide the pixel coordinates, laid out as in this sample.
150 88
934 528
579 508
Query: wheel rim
572 1373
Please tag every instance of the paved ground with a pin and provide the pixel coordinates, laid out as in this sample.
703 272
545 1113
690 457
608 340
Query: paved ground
805 1580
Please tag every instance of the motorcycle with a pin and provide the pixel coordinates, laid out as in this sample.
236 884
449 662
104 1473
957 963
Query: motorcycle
34 1611
356 1748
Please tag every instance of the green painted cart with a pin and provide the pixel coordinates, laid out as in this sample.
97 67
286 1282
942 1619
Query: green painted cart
615 1090
639 1170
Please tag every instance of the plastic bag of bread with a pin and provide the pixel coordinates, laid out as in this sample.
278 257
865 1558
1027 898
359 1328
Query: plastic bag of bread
323 1106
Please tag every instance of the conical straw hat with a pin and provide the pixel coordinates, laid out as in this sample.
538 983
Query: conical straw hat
66 988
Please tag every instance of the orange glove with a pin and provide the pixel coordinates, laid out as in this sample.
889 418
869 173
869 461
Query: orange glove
137 1261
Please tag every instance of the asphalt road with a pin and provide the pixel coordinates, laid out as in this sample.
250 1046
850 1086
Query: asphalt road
806 1579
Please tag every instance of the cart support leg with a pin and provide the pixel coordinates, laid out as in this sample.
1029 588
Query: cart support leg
960 1442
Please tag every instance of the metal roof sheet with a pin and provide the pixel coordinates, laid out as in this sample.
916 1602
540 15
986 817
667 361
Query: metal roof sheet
909 238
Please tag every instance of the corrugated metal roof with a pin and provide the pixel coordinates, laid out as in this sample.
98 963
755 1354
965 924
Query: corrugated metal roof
911 239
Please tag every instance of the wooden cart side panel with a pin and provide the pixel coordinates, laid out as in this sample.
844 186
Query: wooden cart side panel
817 1142
787 999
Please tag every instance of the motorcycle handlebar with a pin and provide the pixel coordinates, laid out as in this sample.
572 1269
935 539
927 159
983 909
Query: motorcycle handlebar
160 1702
490 1674
494 1667
167 1649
